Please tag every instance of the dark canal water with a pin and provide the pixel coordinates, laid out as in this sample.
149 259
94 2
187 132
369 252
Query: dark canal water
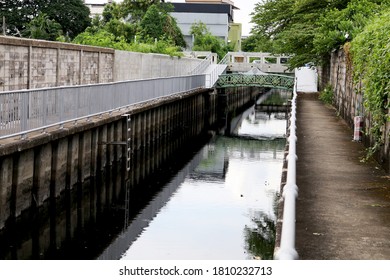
216 201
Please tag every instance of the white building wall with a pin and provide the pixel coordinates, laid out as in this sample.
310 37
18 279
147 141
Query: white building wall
218 24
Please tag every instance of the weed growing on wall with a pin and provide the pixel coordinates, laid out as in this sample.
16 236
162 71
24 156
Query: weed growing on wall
371 62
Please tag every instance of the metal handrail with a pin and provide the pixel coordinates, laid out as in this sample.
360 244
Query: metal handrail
225 59
25 111
202 66
213 76
287 249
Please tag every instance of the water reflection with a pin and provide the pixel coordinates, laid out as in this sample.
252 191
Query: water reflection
206 216
260 237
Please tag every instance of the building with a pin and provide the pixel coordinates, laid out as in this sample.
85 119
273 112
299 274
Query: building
96 9
235 35
217 15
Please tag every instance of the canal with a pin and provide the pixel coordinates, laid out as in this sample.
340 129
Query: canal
217 200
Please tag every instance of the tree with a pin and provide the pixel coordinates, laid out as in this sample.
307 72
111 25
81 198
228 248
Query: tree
114 31
336 27
291 26
112 11
205 41
310 29
72 15
18 13
256 43
134 10
158 24
43 28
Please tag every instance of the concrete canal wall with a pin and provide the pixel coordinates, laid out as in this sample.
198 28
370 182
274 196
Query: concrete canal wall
348 101
35 173
47 164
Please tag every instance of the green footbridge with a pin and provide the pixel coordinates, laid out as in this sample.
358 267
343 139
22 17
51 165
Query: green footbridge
263 80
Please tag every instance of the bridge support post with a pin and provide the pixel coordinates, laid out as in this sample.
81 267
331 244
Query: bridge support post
222 105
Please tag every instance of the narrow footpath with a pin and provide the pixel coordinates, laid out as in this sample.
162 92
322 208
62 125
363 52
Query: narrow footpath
343 206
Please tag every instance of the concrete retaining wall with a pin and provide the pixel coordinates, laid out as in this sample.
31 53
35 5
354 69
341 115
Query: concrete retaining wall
133 66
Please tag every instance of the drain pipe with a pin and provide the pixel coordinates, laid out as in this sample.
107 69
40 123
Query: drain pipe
290 191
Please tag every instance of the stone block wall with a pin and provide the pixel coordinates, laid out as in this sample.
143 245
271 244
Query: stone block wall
27 64
348 101
13 67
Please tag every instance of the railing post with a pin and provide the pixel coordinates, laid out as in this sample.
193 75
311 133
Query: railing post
24 111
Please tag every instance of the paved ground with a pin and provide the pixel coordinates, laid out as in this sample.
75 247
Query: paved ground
343 207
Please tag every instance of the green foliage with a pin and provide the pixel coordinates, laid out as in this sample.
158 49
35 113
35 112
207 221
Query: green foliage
289 26
157 32
158 24
134 10
256 43
72 15
18 14
336 27
371 61
162 47
43 28
100 38
112 22
103 38
309 29
327 95
205 41
112 11
122 30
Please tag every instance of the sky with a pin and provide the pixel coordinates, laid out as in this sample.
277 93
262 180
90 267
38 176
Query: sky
240 16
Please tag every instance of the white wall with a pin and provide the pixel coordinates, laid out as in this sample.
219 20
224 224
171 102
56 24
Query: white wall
306 79
218 24
133 66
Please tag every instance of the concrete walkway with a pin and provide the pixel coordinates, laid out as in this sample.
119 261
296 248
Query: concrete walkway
343 206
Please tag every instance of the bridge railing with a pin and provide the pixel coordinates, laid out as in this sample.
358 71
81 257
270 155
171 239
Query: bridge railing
290 191
26 111
266 80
